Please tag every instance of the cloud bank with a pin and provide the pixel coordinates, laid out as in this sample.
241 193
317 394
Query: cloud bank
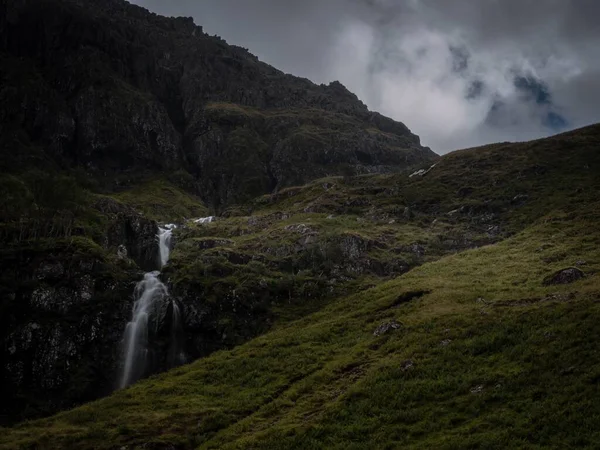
458 73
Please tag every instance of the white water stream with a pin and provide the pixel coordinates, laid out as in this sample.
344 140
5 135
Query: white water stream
150 295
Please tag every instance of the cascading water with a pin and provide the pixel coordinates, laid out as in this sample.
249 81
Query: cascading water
165 235
176 356
148 294
151 296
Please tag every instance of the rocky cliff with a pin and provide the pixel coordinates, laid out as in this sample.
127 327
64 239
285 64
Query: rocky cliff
123 93
112 118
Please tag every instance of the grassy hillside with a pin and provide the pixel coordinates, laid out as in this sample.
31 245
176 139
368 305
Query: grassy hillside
468 349
485 356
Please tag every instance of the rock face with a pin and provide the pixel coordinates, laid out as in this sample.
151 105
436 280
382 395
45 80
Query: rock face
131 230
116 90
63 317
65 303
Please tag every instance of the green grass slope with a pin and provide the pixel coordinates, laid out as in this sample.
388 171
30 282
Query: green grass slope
289 253
481 353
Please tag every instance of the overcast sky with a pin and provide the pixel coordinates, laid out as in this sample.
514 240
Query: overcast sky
458 73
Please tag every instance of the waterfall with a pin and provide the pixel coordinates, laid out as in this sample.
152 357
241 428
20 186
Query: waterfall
149 293
164 243
150 298
176 356
203 220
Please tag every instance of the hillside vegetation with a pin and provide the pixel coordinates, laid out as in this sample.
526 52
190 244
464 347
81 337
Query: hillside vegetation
382 311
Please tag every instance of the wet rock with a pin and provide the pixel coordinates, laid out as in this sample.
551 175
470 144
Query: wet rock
386 327
122 252
564 276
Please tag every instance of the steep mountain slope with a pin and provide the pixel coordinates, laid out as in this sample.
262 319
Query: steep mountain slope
113 119
124 94
489 347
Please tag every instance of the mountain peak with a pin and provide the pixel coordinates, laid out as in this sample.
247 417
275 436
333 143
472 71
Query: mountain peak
138 93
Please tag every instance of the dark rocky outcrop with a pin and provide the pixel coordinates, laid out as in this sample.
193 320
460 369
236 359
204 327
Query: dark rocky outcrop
64 305
132 230
386 327
63 313
564 276
123 93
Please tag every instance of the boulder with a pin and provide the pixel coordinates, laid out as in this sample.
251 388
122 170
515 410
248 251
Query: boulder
564 276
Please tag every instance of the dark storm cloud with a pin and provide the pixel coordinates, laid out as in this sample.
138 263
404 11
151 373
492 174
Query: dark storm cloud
457 72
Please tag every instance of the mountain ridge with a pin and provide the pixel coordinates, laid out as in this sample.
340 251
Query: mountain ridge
129 91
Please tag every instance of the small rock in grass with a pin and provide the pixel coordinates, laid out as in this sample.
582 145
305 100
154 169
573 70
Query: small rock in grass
477 389
386 327
407 365
445 342
299 228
